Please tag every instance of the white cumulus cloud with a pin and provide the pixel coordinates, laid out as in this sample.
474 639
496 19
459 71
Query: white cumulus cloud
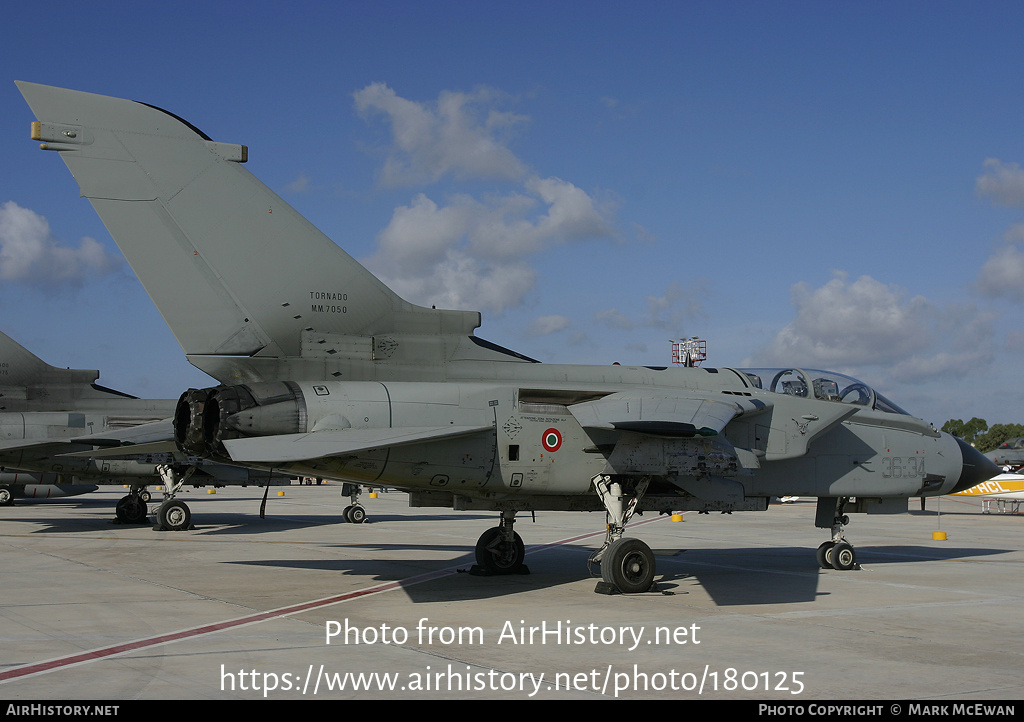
545 325
1002 275
472 249
29 252
866 323
668 312
461 134
1002 182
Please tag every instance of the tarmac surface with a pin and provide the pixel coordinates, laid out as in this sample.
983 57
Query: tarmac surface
299 605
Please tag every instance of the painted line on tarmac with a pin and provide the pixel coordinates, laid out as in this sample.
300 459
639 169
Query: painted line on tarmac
117 649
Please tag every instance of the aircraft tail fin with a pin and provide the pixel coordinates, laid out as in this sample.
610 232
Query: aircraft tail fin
233 269
29 383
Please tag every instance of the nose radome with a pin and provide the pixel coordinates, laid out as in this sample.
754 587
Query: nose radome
976 468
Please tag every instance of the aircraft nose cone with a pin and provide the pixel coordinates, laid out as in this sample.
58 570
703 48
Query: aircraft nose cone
976 468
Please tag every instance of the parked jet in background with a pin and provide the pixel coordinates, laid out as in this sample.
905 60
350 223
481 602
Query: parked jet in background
326 372
1010 453
53 419
43 408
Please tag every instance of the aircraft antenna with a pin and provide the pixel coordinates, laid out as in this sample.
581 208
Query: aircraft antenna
689 352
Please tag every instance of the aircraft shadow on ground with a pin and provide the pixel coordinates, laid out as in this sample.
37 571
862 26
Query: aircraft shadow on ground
731 577
214 523
735 576
781 575
233 523
457 584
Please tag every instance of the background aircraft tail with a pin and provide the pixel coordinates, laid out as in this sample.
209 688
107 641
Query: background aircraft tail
27 383
233 269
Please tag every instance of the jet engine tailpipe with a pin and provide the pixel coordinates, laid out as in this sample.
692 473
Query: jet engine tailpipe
205 418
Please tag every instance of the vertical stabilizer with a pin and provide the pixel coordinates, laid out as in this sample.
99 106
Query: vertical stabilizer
19 367
233 269
29 383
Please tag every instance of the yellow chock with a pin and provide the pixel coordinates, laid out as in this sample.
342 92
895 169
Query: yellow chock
677 517
373 495
939 536
280 493
211 491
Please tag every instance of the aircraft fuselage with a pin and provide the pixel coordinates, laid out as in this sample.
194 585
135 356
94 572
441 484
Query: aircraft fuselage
530 439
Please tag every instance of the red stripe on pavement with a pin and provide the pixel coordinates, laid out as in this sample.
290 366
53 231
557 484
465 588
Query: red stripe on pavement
105 652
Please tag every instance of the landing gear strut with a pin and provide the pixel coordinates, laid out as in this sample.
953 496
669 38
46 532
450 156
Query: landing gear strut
354 513
500 550
627 565
172 514
836 553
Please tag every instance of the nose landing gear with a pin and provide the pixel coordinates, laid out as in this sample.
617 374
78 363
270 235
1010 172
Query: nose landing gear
836 553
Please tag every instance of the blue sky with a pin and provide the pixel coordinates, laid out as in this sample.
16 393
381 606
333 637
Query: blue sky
824 184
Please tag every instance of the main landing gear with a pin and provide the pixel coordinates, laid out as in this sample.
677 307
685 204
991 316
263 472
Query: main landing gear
836 553
627 565
500 550
173 514
354 513
132 508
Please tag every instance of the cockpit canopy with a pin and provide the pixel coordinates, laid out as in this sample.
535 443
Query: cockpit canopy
825 385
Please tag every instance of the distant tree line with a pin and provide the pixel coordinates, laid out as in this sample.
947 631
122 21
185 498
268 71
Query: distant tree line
977 433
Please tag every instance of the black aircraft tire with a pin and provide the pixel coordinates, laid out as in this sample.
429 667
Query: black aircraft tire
843 557
629 565
131 509
497 555
356 515
824 555
174 515
6 496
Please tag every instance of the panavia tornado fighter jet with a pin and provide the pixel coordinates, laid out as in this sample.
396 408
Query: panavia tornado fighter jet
53 420
1010 453
326 372
47 412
